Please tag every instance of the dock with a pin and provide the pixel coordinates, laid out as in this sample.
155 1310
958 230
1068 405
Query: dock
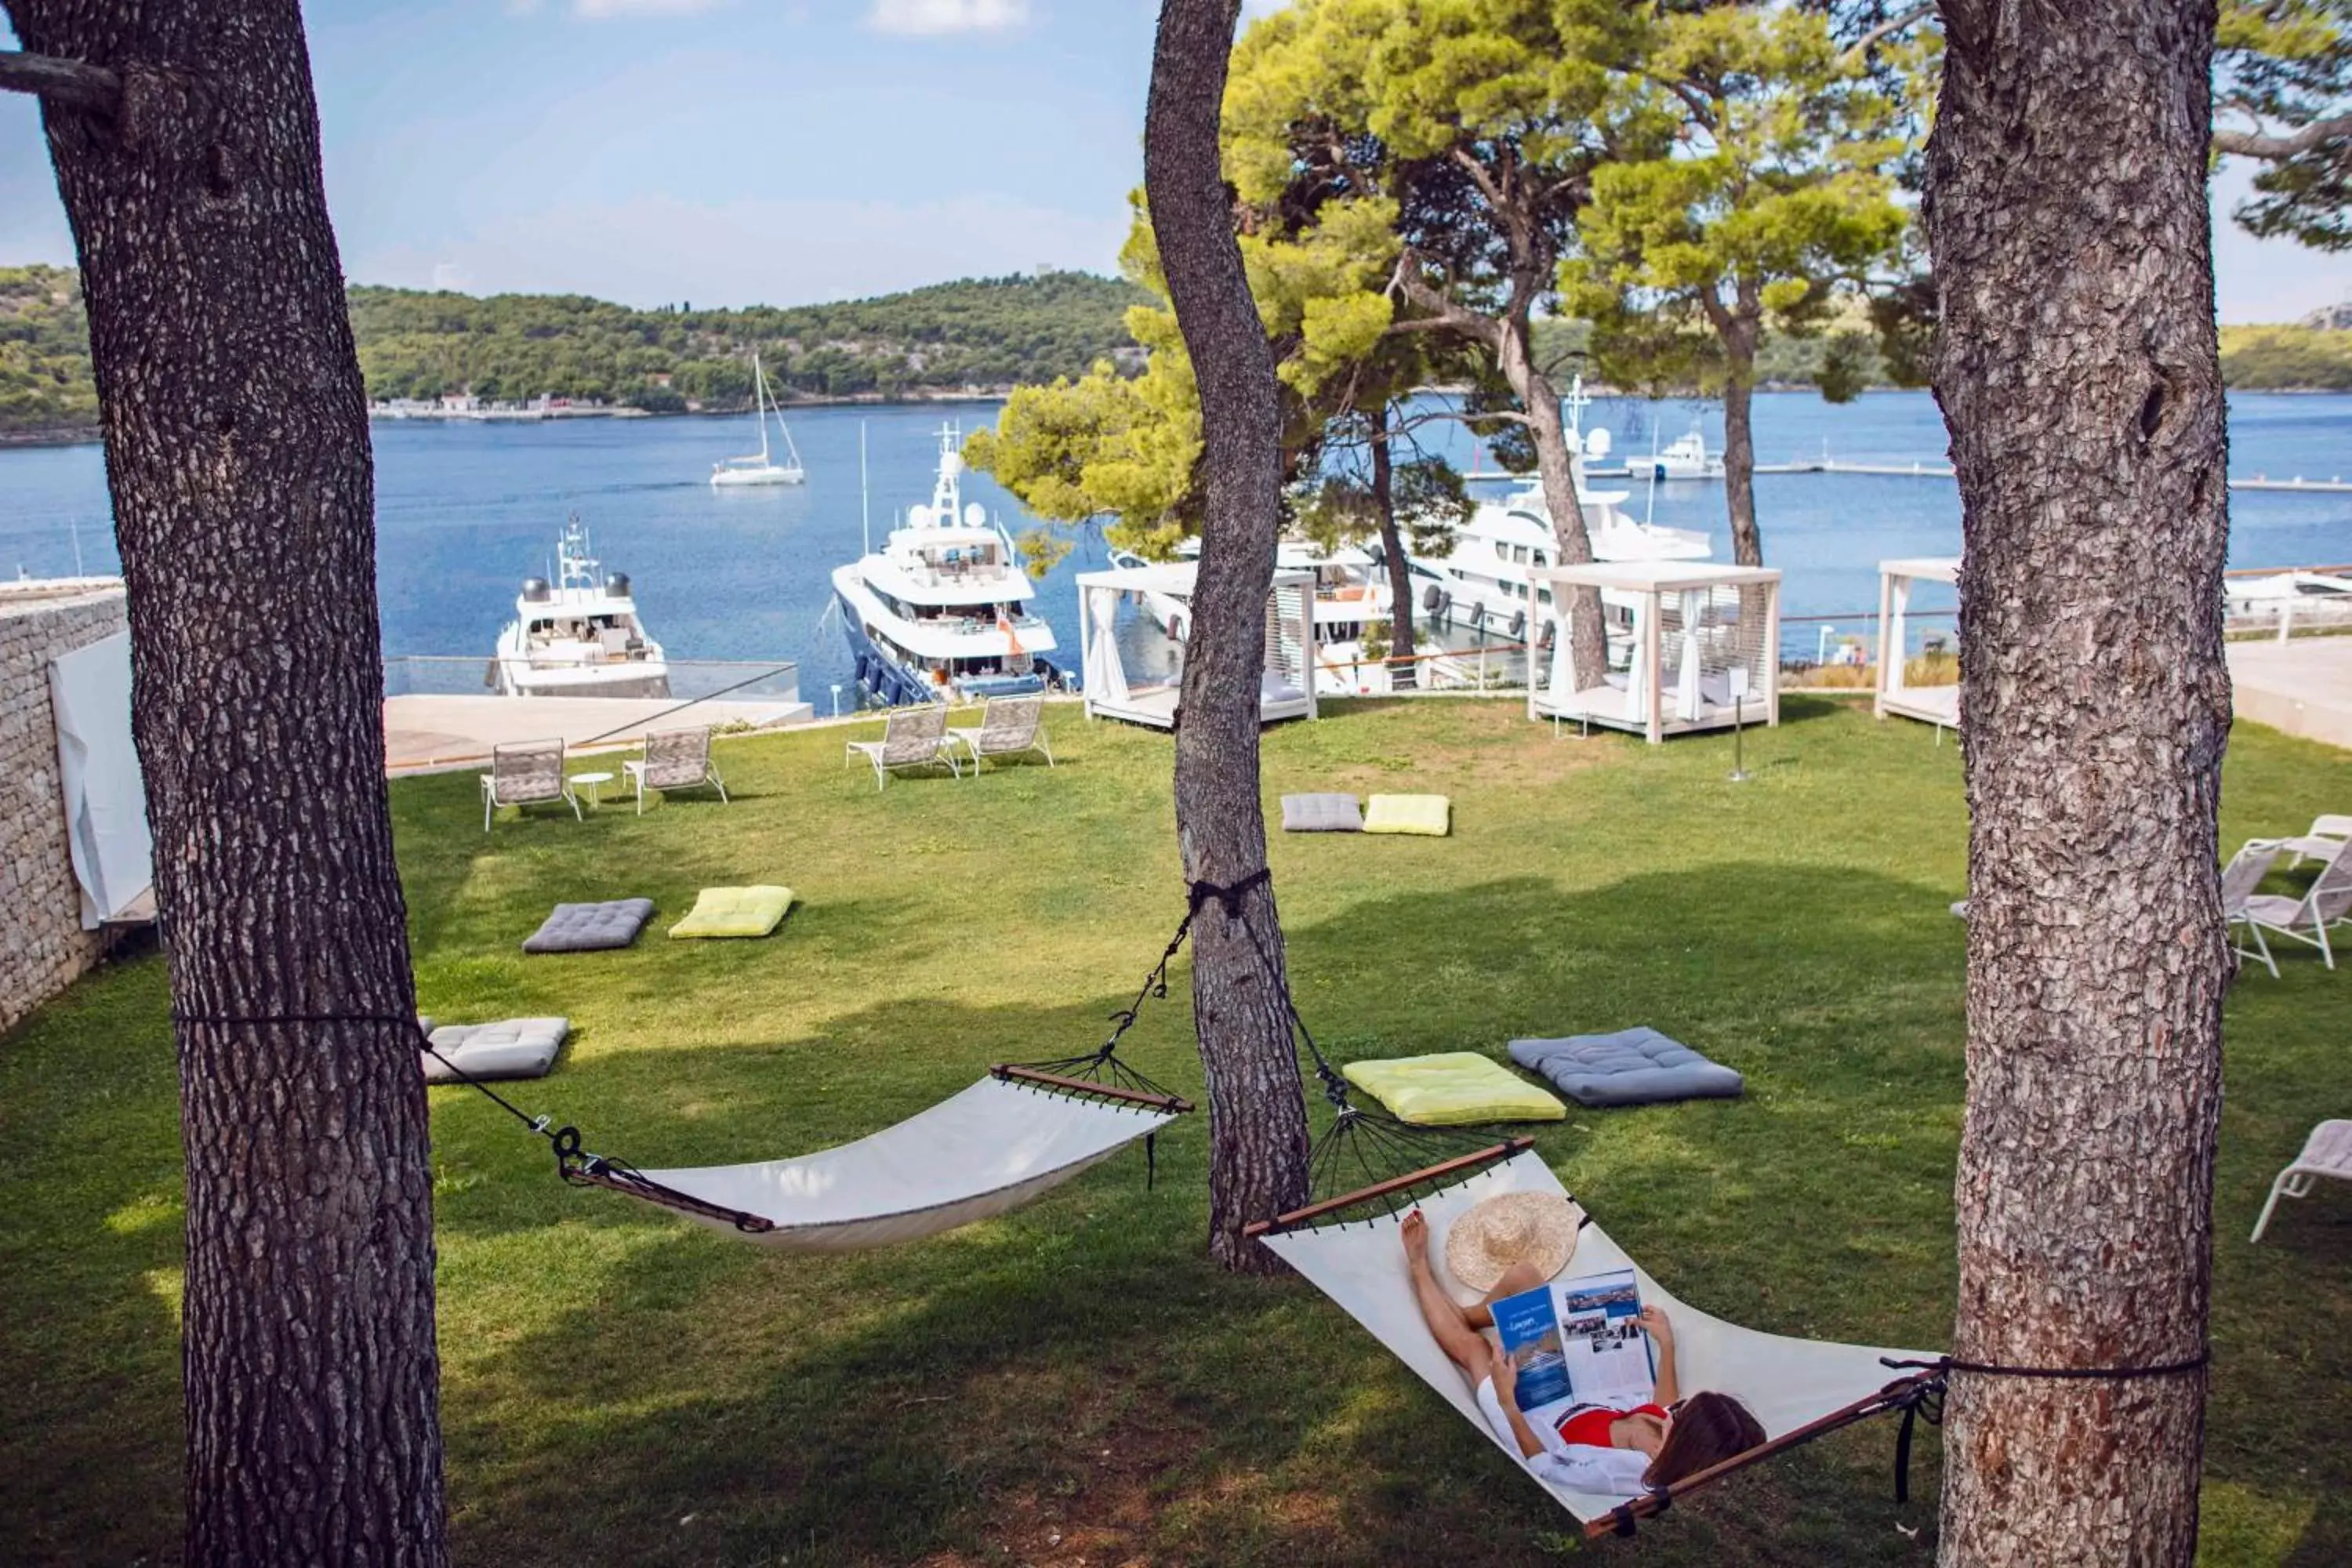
428 735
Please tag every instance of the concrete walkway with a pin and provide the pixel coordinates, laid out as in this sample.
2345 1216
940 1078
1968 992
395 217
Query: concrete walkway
2303 685
431 734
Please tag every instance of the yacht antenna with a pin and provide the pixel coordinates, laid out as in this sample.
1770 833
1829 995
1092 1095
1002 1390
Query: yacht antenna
865 515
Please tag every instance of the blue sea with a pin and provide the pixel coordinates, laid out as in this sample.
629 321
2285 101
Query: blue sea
465 511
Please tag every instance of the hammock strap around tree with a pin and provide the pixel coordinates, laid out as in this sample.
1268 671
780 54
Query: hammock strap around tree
573 1162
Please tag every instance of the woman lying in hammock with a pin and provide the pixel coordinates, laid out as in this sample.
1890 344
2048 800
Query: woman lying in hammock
1614 1453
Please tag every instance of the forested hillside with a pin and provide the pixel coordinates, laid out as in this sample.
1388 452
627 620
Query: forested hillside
986 333
45 382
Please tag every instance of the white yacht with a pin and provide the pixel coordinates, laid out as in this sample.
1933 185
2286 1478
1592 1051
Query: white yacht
762 469
1687 457
1482 582
1351 588
942 609
579 635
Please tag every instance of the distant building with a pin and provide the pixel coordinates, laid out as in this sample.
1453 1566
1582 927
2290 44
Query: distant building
2336 318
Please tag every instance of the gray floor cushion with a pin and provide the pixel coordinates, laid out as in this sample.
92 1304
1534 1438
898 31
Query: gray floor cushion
1321 814
512 1047
1632 1066
588 928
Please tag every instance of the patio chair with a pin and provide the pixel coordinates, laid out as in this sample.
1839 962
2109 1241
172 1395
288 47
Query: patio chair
2326 1152
1008 727
675 759
2304 920
911 738
525 774
2328 834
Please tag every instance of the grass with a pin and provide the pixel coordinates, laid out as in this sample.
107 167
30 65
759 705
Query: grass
1074 1382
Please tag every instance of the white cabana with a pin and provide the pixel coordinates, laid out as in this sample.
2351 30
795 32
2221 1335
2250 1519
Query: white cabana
1937 705
1287 689
1693 645
97 774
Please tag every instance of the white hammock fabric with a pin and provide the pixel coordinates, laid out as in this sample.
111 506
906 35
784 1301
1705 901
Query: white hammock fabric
983 1152
1360 1265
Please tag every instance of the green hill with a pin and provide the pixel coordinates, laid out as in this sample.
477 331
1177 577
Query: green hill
990 332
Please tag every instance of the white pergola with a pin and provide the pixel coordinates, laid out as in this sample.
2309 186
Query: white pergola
1682 655
1287 689
1936 705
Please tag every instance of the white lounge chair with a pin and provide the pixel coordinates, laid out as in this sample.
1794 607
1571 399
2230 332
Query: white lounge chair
2326 1152
525 774
675 759
2304 920
911 738
1008 727
2328 834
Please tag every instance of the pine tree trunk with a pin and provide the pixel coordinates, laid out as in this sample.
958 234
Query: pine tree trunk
1393 549
236 448
1556 471
1257 1119
1740 458
2078 376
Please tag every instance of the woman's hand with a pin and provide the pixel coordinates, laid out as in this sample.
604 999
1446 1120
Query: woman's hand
1505 1372
1655 1324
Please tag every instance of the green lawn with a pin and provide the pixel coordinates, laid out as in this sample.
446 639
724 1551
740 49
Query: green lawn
1074 1382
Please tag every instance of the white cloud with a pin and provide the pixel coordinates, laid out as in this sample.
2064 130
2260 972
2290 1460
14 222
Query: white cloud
924 18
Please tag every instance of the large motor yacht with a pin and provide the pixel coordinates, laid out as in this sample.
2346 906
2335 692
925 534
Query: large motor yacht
579 635
942 609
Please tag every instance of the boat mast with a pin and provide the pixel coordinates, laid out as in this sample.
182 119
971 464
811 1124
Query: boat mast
864 513
759 406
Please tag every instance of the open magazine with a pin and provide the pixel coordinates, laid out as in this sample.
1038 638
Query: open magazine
1578 1341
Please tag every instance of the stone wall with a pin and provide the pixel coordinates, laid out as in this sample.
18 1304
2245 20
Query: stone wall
42 944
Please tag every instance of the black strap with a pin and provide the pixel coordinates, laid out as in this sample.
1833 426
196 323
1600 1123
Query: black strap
1947 1364
573 1163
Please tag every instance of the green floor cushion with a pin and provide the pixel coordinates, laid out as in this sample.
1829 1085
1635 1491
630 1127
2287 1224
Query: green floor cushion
735 912
1451 1089
1425 814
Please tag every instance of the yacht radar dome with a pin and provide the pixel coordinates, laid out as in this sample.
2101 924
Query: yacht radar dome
975 515
535 591
617 584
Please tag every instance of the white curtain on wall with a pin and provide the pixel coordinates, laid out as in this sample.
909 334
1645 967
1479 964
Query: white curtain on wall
105 799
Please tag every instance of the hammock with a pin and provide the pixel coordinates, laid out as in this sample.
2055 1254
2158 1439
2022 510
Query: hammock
1012 1136
1797 1388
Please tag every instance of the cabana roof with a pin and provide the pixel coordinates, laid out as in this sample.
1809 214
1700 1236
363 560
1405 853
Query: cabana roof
1657 576
1924 568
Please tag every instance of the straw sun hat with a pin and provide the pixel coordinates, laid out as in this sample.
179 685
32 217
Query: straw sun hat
1512 1228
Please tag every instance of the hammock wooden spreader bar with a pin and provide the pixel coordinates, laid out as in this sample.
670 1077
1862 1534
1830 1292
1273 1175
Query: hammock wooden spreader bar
1014 1072
1903 1394
1439 1175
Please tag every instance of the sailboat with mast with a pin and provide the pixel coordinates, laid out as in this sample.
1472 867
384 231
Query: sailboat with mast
762 469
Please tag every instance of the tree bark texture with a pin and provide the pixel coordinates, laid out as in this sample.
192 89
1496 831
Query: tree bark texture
236 448
1739 461
2078 374
1588 641
1257 1118
1393 550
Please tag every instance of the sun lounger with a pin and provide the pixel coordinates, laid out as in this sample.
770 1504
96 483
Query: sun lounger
1008 727
2328 834
911 738
524 773
675 759
2305 919
2326 1152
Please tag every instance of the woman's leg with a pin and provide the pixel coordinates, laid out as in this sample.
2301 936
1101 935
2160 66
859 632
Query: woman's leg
1463 1344
1518 1280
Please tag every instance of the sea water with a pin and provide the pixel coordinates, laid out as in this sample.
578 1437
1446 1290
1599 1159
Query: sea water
465 511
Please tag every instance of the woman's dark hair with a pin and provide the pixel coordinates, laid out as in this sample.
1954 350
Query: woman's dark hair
1708 1429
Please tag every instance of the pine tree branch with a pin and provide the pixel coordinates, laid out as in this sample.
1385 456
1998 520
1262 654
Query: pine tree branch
2272 149
1888 29
60 83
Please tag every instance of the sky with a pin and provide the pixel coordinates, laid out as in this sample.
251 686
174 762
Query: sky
777 151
